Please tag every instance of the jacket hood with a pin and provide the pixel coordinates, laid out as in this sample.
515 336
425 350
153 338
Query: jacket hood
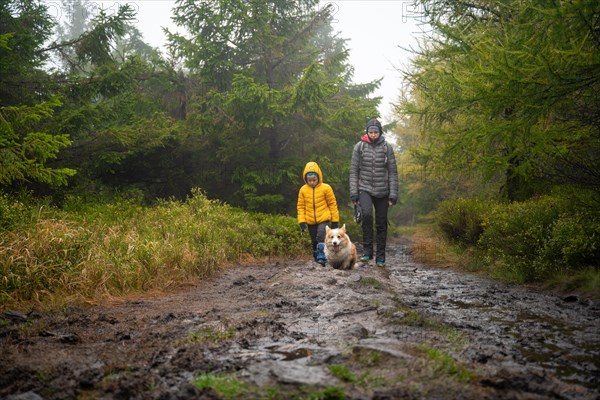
312 166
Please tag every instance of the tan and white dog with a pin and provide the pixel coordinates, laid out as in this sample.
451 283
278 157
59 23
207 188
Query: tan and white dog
339 250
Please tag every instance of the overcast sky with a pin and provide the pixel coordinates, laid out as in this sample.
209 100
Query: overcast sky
376 31
375 28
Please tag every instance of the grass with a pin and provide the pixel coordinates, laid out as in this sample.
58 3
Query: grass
226 386
363 379
211 335
372 282
367 358
104 250
404 231
585 282
342 373
403 315
443 363
430 248
329 393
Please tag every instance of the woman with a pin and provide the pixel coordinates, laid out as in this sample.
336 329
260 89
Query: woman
374 186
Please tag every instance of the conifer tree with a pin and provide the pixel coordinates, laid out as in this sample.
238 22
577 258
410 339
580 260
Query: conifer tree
511 89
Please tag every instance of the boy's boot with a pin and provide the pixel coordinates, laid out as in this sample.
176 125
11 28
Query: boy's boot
321 254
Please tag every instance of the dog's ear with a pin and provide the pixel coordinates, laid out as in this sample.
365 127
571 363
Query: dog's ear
343 229
327 228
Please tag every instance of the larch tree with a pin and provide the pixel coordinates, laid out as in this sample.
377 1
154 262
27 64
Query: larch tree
511 89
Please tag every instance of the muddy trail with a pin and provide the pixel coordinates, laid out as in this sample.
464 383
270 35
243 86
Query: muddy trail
293 329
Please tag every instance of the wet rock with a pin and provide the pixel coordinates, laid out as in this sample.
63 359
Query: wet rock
190 359
426 293
25 396
483 353
531 385
393 394
356 331
186 390
399 314
106 318
89 377
342 273
586 302
244 281
15 316
289 352
70 338
390 347
122 336
570 299
386 310
285 303
289 372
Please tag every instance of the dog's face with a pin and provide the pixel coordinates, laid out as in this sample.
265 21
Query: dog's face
336 238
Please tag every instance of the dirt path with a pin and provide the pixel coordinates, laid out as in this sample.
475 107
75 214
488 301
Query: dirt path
295 330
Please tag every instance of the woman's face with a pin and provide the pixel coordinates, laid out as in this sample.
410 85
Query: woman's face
373 133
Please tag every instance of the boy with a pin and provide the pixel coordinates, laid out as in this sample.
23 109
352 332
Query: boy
316 208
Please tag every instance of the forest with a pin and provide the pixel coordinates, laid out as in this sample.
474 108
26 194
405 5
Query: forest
118 162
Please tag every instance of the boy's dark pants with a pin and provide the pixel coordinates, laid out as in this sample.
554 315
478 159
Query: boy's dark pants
317 234
380 205
317 238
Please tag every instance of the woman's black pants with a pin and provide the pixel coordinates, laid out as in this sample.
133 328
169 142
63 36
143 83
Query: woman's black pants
380 206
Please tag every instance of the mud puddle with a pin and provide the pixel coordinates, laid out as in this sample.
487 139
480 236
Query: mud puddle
294 329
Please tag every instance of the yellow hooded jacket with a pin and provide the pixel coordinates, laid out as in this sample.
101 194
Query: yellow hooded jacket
318 204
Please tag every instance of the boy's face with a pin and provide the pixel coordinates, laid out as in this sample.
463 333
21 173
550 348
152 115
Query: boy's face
312 181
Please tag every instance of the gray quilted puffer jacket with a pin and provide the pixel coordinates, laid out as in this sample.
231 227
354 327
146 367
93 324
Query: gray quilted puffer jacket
373 169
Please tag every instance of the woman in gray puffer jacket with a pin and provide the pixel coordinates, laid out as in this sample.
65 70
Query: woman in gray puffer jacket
373 186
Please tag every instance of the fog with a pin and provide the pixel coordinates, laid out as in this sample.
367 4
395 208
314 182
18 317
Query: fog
378 32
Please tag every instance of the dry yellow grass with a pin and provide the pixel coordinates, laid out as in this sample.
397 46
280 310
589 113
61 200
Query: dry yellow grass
114 250
431 249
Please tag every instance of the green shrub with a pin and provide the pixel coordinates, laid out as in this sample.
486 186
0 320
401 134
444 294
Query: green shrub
20 209
10 212
574 243
515 235
460 220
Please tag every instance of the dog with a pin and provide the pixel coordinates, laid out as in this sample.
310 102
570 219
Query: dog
339 249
